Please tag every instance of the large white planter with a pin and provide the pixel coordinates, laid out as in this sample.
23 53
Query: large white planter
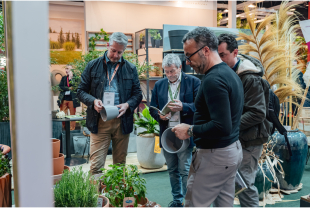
145 152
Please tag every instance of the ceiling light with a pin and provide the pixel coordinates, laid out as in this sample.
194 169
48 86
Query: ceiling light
251 5
226 10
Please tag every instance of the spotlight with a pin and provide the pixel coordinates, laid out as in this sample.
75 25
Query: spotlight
226 10
251 6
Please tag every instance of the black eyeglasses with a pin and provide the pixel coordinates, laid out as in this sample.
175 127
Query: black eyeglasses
188 58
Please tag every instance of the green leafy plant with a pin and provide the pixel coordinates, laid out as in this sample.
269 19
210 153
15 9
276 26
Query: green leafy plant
4 98
303 51
157 37
123 181
153 32
2 39
92 40
69 46
54 45
5 166
76 189
141 36
146 121
219 18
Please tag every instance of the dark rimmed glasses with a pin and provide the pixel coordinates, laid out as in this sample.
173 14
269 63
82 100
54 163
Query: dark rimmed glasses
188 58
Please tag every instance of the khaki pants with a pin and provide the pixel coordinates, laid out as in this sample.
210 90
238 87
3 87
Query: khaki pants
211 178
100 142
65 105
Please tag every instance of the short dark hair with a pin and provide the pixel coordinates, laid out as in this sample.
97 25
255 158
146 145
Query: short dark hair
230 40
203 37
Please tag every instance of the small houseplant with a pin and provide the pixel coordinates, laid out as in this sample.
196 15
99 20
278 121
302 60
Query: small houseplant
76 189
153 33
148 130
157 39
123 181
5 177
141 38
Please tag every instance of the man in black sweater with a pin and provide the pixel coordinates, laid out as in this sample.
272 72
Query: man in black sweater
219 105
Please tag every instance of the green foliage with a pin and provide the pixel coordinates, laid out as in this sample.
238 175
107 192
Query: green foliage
77 40
92 40
65 57
157 37
123 181
69 46
238 22
303 51
4 98
54 45
4 164
153 32
75 189
61 38
146 121
141 36
72 38
68 36
219 18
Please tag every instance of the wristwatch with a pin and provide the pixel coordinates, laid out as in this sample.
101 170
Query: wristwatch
190 131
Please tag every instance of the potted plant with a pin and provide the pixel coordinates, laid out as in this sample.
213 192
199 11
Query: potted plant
153 33
124 181
141 38
5 177
147 128
157 39
76 189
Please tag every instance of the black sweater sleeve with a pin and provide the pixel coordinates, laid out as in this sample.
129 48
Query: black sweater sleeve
216 95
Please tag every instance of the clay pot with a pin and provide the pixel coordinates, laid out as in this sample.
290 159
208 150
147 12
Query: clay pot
56 147
57 178
5 149
58 164
106 201
142 201
152 74
5 190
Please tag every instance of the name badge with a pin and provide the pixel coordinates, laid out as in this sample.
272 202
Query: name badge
67 93
108 98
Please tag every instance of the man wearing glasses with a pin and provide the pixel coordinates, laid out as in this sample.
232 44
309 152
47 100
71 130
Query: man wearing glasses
219 105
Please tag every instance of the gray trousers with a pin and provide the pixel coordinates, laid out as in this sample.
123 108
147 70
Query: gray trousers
248 170
212 176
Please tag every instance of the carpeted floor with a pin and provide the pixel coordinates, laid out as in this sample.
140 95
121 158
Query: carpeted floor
159 190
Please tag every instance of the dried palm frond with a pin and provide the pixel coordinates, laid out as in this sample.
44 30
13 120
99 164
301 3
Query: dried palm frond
275 49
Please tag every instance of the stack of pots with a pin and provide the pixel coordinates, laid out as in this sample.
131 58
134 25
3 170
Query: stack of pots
58 161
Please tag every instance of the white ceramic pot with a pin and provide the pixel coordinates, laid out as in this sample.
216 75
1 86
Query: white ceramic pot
145 152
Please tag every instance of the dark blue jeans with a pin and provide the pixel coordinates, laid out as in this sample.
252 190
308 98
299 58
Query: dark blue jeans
178 167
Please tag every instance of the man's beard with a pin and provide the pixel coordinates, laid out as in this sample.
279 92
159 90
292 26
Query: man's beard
200 68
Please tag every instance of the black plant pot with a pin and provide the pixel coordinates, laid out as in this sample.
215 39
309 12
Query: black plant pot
153 42
141 43
175 38
157 43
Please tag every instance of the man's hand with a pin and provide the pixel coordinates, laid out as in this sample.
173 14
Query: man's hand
98 105
123 107
165 117
176 106
180 131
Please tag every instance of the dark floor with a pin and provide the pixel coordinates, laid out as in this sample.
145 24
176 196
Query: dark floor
159 190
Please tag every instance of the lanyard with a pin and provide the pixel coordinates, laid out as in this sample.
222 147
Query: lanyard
176 92
68 81
115 70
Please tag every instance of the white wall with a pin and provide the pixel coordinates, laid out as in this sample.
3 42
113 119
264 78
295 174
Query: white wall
130 17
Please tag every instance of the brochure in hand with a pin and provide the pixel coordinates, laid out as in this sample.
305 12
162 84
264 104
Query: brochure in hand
165 109
239 184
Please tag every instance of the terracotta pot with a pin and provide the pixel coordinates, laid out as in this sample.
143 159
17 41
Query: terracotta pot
5 149
57 178
58 164
106 201
56 147
5 191
152 74
142 201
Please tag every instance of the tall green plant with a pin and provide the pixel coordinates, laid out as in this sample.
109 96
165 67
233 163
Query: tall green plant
2 38
123 181
75 189
5 166
146 121
4 98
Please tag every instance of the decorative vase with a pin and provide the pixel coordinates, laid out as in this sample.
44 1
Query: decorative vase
145 152
56 147
153 42
58 164
175 38
293 166
259 181
105 201
157 43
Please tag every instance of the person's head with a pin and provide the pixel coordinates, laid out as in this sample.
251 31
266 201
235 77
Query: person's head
116 46
200 45
68 69
172 66
228 49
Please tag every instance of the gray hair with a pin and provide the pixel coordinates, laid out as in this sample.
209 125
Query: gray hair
119 38
171 59
203 37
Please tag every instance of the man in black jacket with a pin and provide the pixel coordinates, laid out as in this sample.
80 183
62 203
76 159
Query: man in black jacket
218 104
254 128
67 98
111 80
